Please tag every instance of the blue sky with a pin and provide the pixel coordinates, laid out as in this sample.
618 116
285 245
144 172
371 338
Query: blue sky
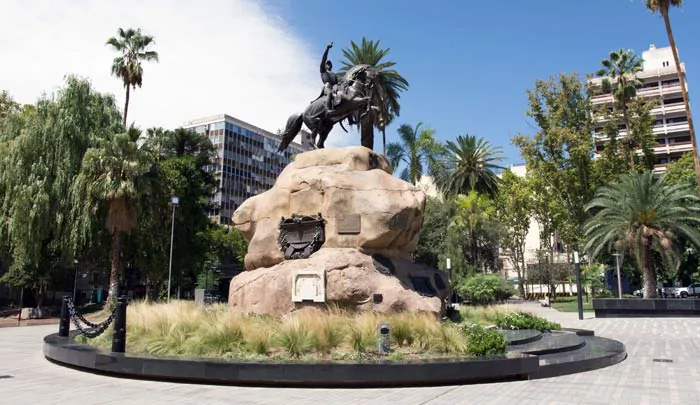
470 63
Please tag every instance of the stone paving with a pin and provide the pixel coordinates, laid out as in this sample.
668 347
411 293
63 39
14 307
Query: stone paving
637 380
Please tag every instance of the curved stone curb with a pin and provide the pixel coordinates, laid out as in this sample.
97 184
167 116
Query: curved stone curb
597 353
291 374
512 366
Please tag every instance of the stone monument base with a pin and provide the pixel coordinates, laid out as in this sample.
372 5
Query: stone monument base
343 277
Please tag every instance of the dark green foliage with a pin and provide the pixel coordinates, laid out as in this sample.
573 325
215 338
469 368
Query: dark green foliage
417 150
433 234
468 164
483 342
646 217
41 153
524 320
484 289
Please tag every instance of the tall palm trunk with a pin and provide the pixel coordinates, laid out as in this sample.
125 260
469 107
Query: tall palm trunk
367 130
686 101
630 143
115 258
648 272
126 104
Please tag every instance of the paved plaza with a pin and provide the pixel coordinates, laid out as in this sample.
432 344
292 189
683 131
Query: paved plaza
27 378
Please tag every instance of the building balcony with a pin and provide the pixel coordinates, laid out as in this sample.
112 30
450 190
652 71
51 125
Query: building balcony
668 149
660 168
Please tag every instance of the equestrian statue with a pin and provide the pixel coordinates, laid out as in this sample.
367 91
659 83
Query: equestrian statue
349 97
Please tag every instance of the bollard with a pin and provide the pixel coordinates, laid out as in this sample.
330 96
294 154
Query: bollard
119 336
384 341
64 323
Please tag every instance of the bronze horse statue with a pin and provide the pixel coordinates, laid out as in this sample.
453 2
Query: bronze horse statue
352 98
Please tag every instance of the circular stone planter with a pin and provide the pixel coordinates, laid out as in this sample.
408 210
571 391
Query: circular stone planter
513 365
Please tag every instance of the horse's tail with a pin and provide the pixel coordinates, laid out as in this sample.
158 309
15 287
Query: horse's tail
293 127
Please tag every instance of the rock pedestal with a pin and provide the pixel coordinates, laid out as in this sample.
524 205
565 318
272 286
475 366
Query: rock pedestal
371 225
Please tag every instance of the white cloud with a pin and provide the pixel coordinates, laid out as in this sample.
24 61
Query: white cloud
216 56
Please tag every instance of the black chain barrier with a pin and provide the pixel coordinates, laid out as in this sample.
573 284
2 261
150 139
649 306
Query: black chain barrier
97 328
92 330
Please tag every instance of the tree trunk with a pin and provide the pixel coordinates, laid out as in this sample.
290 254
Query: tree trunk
686 101
116 262
628 127
648 274
367 131
126 104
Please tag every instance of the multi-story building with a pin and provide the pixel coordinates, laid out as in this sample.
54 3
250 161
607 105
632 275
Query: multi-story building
660 82
247 163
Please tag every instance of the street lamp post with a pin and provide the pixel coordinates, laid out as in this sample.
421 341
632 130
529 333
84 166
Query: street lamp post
579 300
75 279
174 201
619 280
448 266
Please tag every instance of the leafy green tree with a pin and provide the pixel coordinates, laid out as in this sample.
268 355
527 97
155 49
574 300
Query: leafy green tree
392 85
432 242
115 175
227 245
475 220
644 216
133 48
681 171
8 106
662 7
469 164
39 160
514 208
181 157
559 157
417 150
208 279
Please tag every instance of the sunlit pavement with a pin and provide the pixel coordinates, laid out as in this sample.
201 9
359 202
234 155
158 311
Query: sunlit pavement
27 378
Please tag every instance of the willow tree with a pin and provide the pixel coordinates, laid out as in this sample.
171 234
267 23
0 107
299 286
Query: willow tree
42 153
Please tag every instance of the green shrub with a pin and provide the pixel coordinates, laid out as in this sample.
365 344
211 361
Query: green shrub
485 289
483 342
524 320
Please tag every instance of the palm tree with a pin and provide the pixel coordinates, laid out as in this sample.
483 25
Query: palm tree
662 7
132 45
469 164
643 215
417 148
115 175
619 75
391 86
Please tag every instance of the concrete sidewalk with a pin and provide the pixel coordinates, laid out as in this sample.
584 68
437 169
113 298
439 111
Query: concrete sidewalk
638 380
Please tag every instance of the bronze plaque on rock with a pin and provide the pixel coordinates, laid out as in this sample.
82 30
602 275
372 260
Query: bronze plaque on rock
349 225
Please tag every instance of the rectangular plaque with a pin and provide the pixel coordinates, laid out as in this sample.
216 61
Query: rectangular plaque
309 285
349 225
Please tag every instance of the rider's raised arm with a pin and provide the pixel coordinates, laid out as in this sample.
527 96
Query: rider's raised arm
325 57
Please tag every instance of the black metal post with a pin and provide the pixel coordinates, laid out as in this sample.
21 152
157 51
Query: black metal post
64 323
21 303
119 336
579 298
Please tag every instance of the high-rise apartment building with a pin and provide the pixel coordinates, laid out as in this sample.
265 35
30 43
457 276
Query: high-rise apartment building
660 82
247 163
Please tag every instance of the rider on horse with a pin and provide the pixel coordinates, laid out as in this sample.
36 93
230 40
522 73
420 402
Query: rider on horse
329 79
